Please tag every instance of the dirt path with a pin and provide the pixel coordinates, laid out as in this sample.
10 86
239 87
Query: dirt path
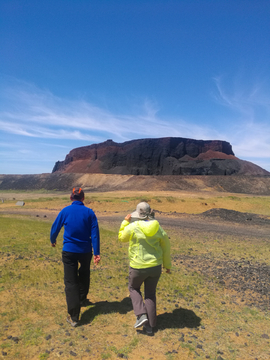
199 223
239 227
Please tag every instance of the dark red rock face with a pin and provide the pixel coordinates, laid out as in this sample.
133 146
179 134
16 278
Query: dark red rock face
163 156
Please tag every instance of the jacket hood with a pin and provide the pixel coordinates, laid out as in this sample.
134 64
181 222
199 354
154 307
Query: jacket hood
149 228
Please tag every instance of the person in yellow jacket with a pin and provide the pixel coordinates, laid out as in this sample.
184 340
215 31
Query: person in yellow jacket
149 249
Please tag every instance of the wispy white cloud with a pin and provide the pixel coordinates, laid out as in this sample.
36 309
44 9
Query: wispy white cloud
249 129
36 131
32 112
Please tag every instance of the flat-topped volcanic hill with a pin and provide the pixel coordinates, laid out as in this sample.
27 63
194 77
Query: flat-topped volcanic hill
162 156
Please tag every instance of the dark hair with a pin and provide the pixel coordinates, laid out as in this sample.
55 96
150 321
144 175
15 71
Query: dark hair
77 194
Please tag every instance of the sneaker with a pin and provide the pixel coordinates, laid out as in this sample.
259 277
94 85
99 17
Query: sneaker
148 329
141 319
72 322
85 303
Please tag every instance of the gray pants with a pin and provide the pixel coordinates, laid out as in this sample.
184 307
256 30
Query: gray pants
149 277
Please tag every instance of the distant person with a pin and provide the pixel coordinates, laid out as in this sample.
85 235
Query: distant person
81 235
149 248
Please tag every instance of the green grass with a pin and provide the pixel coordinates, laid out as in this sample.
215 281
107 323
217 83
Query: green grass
190 303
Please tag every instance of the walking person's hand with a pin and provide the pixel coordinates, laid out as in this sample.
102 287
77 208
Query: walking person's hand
168 271
96 259
128 217
53 245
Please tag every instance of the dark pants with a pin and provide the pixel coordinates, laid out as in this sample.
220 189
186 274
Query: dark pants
77 281
149 277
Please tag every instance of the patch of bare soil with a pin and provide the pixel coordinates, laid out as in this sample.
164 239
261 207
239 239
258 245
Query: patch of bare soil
237 216
249 279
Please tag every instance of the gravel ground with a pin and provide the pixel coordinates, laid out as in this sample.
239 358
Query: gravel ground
250 280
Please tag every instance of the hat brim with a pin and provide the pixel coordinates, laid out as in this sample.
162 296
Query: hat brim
136 215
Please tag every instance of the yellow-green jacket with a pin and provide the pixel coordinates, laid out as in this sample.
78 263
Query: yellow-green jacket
149 244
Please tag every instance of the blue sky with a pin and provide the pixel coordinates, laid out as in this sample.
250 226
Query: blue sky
78 72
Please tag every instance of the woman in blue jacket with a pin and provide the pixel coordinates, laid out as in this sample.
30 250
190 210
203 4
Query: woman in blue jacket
81 235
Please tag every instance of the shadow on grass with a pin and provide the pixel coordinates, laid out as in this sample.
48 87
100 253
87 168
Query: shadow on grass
106 307
178 319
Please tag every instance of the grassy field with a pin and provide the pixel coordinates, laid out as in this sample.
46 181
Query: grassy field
198 316
180 202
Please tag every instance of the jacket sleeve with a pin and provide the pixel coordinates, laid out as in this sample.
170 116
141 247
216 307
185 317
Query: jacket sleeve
56 227
166 248
125 231
95 235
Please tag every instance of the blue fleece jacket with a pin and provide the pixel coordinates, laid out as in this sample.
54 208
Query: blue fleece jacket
81 232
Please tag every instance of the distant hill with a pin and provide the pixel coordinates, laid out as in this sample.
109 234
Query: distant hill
163 156
244 184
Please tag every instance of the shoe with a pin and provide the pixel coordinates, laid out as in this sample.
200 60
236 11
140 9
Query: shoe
85 303
148 329
141 319
72 322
